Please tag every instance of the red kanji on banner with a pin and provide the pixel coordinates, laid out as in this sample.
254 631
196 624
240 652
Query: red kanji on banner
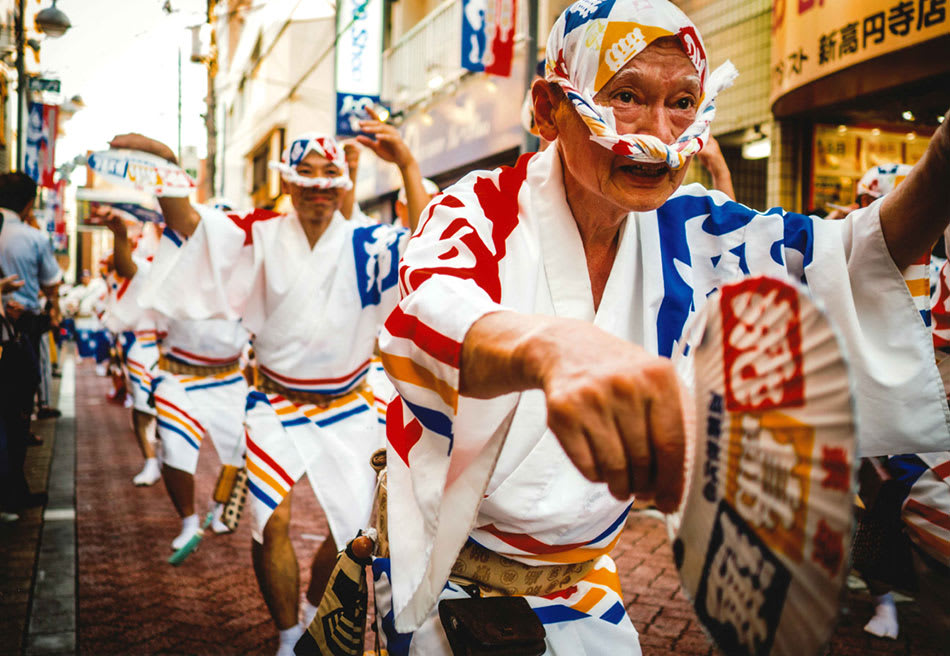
500 41
828 551
834 462
762 346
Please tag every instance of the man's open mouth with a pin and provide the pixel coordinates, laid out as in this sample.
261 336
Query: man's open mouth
646 169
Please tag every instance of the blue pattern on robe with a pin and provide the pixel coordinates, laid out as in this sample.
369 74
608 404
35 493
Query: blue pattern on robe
719 222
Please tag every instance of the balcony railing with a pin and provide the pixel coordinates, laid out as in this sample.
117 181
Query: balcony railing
428 57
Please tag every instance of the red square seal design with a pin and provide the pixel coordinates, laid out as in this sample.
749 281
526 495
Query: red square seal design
762 345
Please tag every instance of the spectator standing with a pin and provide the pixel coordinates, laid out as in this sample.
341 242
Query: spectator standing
25 252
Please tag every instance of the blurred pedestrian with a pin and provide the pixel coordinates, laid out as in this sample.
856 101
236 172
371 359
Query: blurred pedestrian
27 253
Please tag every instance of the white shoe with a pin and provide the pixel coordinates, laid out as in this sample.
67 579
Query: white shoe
217 525
128 403
288 640
150 475
189 528
102 369
884 623
8 517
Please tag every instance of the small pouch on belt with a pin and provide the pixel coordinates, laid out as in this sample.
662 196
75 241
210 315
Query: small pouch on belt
492 626
225 483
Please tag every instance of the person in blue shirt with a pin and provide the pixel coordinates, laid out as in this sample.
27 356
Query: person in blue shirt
26 253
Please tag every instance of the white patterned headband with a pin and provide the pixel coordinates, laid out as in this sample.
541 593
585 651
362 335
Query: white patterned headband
323 145
593 39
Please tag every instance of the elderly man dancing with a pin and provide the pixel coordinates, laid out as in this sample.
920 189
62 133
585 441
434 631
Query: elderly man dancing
541 303
313 289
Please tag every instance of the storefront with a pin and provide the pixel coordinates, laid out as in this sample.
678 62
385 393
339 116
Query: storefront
862 82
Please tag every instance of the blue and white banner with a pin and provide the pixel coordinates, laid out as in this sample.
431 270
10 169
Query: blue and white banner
473 35
359 53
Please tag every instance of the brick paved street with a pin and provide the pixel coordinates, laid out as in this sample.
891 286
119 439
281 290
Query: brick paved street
131 602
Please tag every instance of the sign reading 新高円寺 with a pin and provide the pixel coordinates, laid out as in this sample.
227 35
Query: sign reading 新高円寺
814 38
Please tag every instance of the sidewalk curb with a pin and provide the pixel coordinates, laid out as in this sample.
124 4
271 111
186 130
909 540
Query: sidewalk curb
52 618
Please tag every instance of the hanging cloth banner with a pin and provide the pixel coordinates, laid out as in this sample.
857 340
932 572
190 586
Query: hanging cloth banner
359 53
500 36
488 35
39 156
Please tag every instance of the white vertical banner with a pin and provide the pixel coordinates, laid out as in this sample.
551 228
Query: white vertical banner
359 52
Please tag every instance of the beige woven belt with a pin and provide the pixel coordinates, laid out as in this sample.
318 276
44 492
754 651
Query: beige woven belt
186 369
493 574
271 386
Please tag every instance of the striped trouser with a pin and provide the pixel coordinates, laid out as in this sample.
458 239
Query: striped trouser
190 407
332 445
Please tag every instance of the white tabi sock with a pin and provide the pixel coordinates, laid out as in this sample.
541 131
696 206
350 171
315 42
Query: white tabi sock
288 639
189 526
309 611
217 525
884 623
151 473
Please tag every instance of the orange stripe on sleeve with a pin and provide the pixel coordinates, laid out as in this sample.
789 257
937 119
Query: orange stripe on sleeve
411 372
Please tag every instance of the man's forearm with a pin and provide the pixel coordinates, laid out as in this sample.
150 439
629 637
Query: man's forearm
493 355
722 180
915 214
122 256
180 216
416 196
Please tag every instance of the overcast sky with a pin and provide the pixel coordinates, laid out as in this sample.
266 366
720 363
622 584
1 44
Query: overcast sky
121 56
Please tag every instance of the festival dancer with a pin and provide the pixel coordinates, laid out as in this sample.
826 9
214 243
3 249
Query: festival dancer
196 387
313 289
542 302
137 334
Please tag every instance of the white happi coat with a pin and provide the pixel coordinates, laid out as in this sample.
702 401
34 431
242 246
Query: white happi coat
506 240
190 407
314 314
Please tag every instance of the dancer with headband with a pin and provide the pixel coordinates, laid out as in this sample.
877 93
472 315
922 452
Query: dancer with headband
313 289
541 304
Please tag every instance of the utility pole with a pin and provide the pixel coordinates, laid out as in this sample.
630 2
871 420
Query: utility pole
212 106
529 142
179 104
21 83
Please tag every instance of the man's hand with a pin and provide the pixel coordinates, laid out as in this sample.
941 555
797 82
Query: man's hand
109 218
135 141
614 408
387 143
10 284
13 310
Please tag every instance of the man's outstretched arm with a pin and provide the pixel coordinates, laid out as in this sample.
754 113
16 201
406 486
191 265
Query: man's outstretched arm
121 247
915 214
180 216
614 408
389 146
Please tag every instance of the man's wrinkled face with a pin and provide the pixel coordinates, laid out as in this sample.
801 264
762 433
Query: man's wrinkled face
655 93
312 203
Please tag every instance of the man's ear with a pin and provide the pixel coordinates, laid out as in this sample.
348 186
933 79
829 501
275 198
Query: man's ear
546 99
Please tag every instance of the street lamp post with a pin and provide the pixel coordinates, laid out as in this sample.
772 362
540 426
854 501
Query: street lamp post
52 22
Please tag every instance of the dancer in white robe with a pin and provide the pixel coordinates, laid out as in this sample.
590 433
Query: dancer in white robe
570 279
123 314
196 389
313 289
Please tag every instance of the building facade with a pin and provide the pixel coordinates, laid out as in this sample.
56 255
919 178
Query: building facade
825 90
